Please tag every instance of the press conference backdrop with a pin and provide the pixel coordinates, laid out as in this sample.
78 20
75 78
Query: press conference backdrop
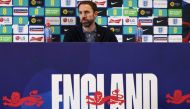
24 20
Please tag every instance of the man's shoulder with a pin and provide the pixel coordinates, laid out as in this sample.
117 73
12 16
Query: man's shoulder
104 29
73 29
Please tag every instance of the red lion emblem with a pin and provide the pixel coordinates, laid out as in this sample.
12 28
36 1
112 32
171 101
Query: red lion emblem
178 98
16 100
99 99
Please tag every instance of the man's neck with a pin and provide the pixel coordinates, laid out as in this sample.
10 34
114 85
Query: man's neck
90 29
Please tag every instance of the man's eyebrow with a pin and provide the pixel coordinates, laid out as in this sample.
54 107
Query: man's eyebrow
84 11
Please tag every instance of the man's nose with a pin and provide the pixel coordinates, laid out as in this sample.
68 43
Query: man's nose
83 15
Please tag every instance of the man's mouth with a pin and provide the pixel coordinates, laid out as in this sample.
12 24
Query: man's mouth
84 21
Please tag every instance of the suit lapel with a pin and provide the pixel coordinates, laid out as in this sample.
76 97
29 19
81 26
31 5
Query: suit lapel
82 35
99 34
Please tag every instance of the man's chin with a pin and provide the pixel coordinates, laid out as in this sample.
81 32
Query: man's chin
86 24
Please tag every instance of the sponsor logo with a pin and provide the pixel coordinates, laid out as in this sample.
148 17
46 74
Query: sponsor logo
130 21
36 29
116 29
145 30
5 20
172 4
20 38
65 28
175 30
160 29
160 12
20 11
115 21
102 12
160 39
127 20
65 11
161 21
99 12
68 21
146 21
128 38
142 12
146 38
68 12
52 12
102 20
145 12
160 36
175 21
113 3
36 3
145 3
160 3
6 2
52 20
5 38
68 3
56 38
175 38
100 3
33 2
36 38
18 29
175 12
6 29
114 12
33 20
175 4
36 21
129 30
130 12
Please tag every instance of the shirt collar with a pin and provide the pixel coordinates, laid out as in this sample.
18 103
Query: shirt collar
94 31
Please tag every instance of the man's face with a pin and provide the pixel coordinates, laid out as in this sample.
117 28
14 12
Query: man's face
87 15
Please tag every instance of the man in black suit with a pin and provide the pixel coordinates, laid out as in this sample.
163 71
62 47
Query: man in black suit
88 30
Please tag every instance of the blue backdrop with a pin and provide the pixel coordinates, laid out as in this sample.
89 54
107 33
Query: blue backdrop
24 67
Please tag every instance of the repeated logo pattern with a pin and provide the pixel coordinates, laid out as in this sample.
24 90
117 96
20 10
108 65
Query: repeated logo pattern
24 20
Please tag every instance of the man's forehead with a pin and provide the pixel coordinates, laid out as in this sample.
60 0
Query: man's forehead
85 7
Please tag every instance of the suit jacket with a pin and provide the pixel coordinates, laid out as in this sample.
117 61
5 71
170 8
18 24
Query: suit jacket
102 35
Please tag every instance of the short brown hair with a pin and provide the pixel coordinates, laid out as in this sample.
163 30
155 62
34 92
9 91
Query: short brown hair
92 5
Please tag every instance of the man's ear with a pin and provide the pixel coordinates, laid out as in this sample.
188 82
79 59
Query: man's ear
96 13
